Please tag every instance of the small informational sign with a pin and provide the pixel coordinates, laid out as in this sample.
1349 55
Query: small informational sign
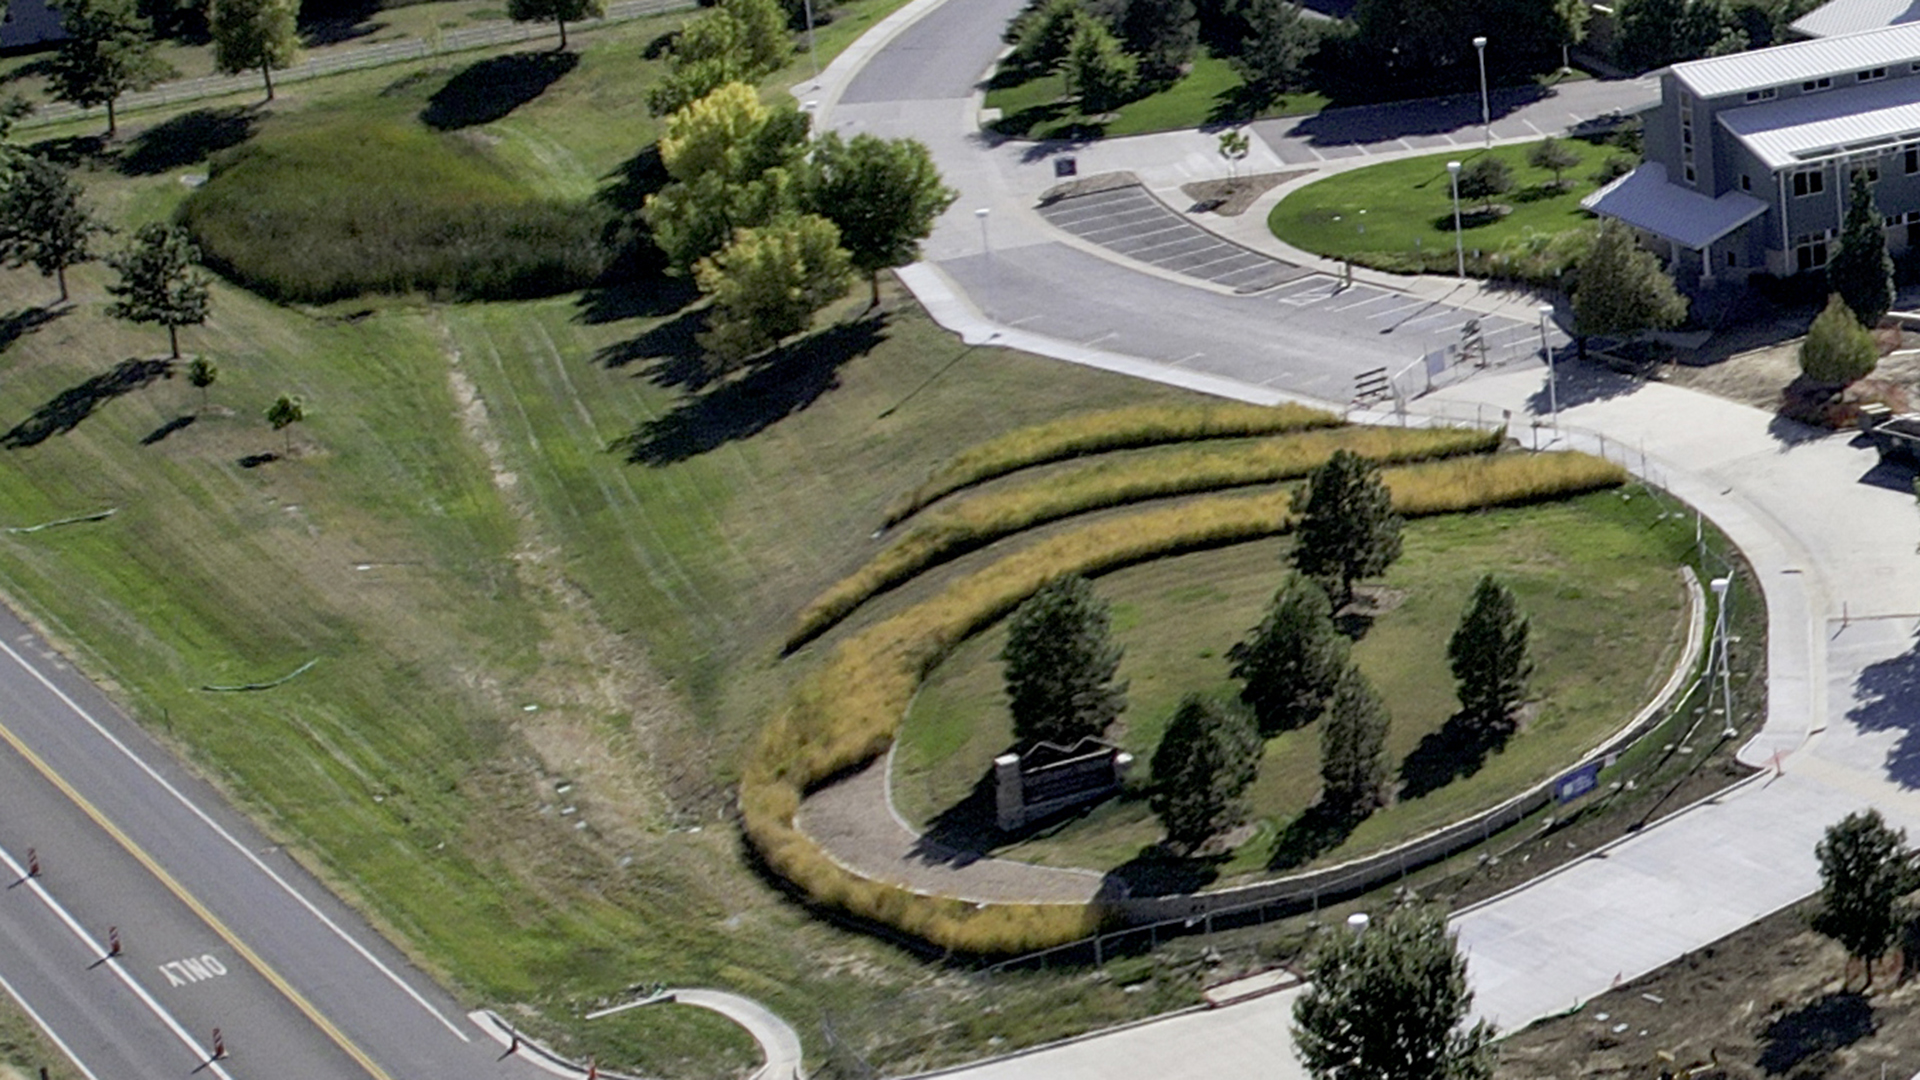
1065 166
1577 783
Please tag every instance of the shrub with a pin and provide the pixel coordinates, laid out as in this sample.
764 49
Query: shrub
978 521
357 205
1113 429
845 713
1837 349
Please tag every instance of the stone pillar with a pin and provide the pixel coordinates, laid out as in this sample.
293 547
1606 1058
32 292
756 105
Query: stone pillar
1009 797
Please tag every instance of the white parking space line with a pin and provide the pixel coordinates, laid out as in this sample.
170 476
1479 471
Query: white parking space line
1411 305
1374 299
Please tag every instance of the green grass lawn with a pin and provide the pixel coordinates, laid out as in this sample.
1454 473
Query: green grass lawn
1398 215
496 506
1038 108
1597 574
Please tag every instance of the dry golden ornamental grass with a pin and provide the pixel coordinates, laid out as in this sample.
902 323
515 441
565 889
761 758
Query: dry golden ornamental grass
846 713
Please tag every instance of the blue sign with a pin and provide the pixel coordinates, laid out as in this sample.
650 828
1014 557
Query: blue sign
1577 783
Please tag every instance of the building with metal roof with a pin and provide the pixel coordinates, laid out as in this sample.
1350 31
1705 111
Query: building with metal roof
1749 157
27 23
1853 16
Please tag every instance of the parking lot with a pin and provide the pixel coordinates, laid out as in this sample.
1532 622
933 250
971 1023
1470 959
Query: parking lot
1133 223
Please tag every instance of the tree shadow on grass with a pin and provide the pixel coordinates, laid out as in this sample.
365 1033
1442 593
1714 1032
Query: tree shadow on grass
188 139
674 349
1457 750
19 323
76 403
1830 1022
158 434
1318 830
635 298
788 380
70 151
488 90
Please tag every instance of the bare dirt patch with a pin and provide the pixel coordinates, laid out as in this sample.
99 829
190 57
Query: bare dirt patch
1767 1001
1764 377
1231 198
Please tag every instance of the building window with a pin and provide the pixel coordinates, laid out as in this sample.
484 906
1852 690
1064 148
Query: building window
1912 159
1686 135
1810 251
1690 174
1810 182
1871 75
1812 85
1732 259
1746 182
1767 94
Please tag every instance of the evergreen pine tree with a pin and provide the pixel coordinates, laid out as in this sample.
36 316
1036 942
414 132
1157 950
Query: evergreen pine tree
1060 665
1289 662
1861 271
1353 742
1488 654
1205 761
1389 1004
1347 529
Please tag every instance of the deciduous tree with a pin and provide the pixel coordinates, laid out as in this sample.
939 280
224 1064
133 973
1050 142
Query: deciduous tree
1390 1003
883 194
1860 270
108 52
201 374
1060 662
1655 33
255 34
1353 746
1864 871
1041 34
1554 156
44 222
1201 769
737 41
1484 179
1837 349
158 282
1488 655
560 11
285 412
732 160
767 284
1622 289
1347 529
1288 664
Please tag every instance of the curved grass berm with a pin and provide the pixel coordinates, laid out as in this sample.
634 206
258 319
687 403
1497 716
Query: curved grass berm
1097 432
979 520
845 714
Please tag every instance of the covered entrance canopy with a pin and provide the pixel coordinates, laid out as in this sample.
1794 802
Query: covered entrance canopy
1646 199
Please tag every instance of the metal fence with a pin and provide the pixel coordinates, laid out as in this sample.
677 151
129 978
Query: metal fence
354 58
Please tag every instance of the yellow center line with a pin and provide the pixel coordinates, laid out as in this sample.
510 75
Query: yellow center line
173 886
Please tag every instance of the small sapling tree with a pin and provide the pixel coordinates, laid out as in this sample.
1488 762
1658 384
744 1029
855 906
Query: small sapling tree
285 412
1353 745
1347 529
1864 871
158 282
1488 654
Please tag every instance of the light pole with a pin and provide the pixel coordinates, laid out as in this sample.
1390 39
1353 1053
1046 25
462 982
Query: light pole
1486 114
986 248
812 57
1553 386
1459 244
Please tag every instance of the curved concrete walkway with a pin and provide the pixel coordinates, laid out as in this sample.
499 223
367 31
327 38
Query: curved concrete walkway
1831 536
779 1044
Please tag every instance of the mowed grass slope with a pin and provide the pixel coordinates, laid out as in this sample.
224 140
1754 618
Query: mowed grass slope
1596 573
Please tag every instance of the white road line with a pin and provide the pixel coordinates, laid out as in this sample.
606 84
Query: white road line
1108 336
1534 126
229 838
48 1028
199 1052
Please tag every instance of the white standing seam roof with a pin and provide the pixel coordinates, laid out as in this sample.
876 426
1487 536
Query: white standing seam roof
1791 130
1644 199
1800 61
1853 16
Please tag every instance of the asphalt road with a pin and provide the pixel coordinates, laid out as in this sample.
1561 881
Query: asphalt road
219 928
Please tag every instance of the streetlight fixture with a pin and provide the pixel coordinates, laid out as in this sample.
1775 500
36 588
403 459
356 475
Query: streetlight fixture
1553 383
986 248
813 58
1459 243
1486 114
